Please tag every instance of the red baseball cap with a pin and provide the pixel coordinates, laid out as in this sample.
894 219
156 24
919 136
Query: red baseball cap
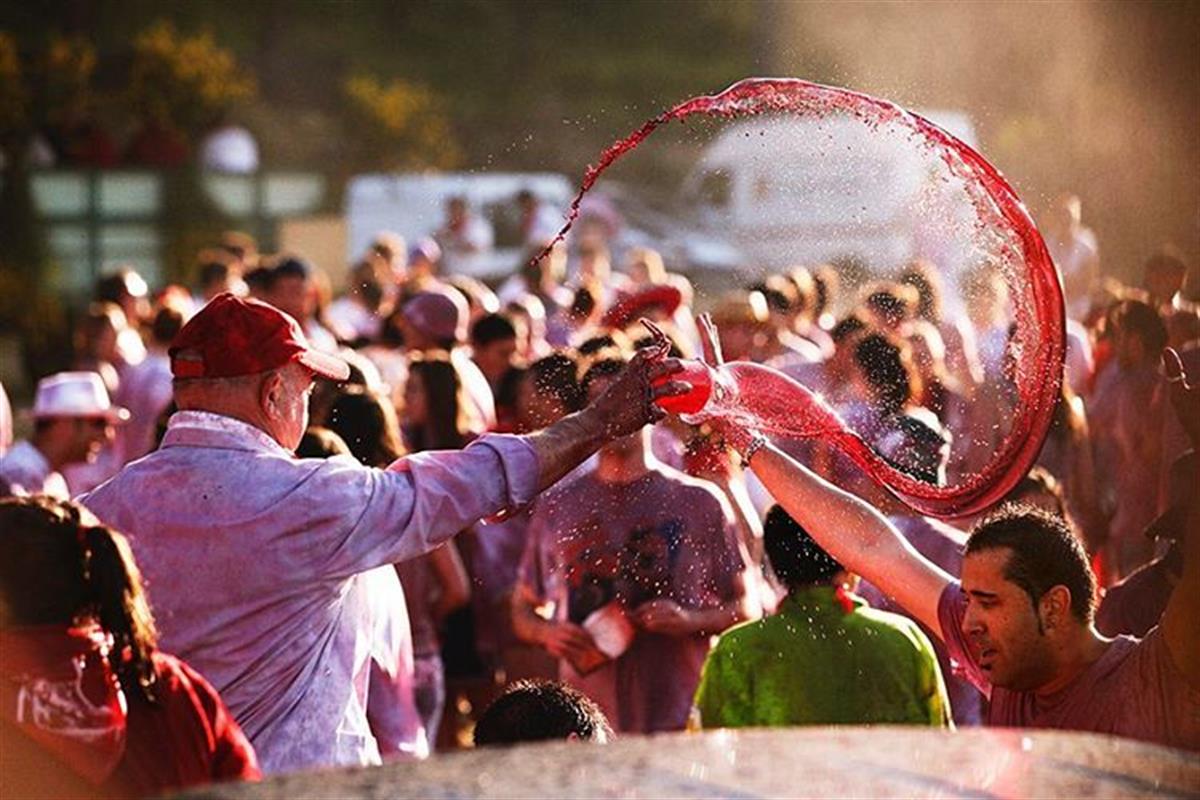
232 336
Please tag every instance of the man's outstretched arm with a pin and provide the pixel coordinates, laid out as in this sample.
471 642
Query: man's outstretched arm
854 533
850 530
1178 622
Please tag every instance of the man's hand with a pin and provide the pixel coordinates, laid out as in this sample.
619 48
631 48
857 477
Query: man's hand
566 640
735 436
1185 398
628 403
626 406
666 617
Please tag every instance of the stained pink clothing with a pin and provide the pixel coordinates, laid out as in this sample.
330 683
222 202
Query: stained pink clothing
391 699
1133 690
146 391
1125 417
663 535
252 558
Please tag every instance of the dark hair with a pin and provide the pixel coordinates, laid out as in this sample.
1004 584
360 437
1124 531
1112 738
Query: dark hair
259 279
776 294
888 302
446 428
318 442
892 381
583 303
1140 319
365 283
922 276
558 374
846 327
57 566
368 426
115 287
291 267
167 323
1039 480
541 710
612 340
492 328
795 556
603 368
214 266
1044 553
826 284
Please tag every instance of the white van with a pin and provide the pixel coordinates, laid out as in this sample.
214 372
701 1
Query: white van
413 205
786 191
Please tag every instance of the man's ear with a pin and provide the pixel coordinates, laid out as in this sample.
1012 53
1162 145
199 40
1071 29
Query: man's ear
1055 607
270 392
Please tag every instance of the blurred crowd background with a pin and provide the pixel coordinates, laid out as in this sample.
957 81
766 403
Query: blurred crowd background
1095 98
155 156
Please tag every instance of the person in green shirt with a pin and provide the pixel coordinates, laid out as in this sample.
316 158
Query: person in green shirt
826 657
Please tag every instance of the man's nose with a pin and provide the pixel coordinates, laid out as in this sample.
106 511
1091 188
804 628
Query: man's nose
971 622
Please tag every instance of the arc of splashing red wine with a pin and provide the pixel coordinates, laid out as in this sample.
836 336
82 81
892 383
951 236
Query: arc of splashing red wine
1040 325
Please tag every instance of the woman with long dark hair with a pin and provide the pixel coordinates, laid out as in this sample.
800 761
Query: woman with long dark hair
435 408
82 683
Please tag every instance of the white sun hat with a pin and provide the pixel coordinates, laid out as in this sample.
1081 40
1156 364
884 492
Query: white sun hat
75 394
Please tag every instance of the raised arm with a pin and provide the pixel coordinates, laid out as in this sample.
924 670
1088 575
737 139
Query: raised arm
1178 622
854 533
849 529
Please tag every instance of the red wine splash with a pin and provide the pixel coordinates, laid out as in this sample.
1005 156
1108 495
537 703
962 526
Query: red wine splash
771 402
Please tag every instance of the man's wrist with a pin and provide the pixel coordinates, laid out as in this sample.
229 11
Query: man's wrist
593 425
756 444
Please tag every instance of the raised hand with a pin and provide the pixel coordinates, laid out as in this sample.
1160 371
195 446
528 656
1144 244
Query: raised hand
629 402
664 616
1185 398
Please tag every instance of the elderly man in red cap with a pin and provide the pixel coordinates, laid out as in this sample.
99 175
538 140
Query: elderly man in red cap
73 419
253 554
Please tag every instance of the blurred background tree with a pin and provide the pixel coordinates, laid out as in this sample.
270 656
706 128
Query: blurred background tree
189 82
399 125
1102 98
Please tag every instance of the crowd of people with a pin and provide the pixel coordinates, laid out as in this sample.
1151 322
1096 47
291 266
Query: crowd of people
310 532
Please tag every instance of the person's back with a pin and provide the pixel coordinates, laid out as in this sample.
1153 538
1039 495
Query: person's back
237 589
826 657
